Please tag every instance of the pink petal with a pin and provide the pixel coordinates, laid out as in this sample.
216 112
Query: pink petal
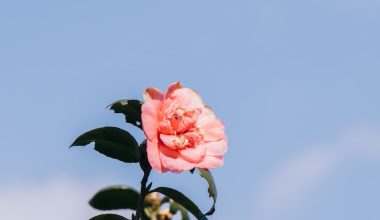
193 154
193 137
149 120
165 127
188 98
171 88
211 162
154 156
213 130
178 96
155 96
216 148
168 140
205 117
182 125
172 161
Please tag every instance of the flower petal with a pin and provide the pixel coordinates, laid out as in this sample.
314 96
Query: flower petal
155 96
187 97
154 156
211 162
216 148
171 160
168 140
176 95
206 116
193 154
213 130
171 88
149 120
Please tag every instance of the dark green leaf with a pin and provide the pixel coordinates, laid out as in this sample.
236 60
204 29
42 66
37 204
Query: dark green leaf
131 110
206 174
175 207
115 197
112 142
182 200
108 217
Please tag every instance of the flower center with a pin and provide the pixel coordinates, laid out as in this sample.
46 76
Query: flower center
181 142
188 139
178 120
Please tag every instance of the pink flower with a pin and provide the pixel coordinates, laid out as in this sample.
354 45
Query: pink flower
182 133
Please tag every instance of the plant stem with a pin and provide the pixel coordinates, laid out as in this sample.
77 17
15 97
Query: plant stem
143 193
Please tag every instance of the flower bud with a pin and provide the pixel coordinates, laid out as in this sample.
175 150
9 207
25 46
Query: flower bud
153 199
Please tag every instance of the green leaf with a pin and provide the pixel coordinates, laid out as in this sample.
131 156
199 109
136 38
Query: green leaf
206 174
182 200
112 142
131 110
115 197
108 217
175 207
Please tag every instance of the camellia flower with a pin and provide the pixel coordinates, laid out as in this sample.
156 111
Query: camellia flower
182 133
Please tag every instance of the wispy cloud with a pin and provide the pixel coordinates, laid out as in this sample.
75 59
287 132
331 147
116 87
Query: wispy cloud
290 184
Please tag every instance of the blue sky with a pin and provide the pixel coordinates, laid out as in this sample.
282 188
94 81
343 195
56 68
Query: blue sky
296 84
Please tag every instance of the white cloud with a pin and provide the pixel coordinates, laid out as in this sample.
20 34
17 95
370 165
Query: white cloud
61 199
290 184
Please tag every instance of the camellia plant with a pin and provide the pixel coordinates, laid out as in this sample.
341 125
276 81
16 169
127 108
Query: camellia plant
182 134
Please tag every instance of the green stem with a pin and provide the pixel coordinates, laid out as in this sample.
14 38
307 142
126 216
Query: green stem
143 192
